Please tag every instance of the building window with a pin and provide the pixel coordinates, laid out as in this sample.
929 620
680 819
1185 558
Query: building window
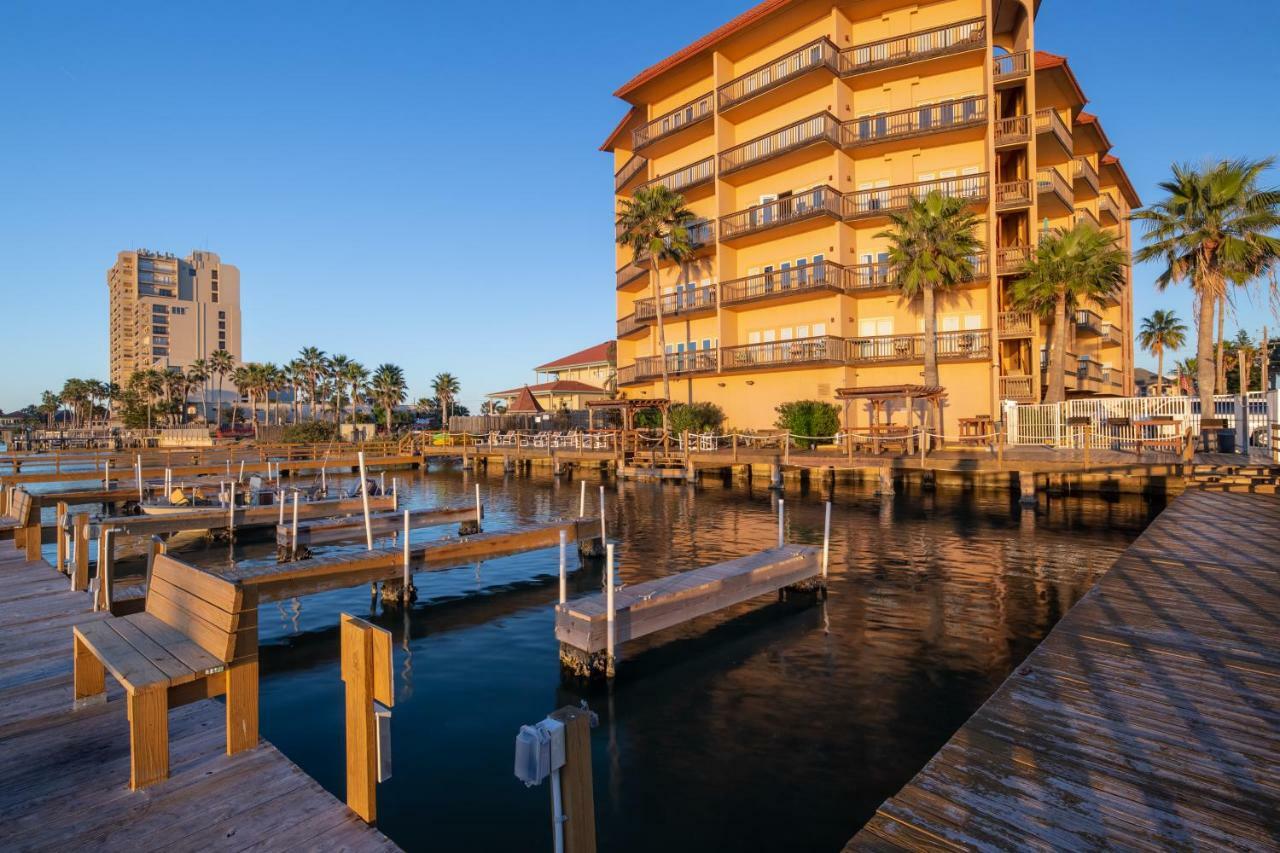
222 315
177 310
158 309
222 324
214 298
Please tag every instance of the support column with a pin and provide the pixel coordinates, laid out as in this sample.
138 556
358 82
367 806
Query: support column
1026 487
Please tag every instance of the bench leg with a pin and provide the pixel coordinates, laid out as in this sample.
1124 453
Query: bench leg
148 737
242 707
90 676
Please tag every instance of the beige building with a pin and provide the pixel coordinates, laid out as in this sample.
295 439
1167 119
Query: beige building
569 382
166 312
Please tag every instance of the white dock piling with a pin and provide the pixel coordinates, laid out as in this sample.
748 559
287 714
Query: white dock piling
364 498
231 509
106 475
240 476
582 500
294 538
564 544
324 482
280 501
408 575
781 540
382 483
609 583
395 493
604 531
479 511
826 540
138 473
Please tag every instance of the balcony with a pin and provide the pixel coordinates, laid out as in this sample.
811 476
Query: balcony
880 275
798 352
1090 375
819 279
1010 260
628 326
1011 67
1109 210
1084 214
649 367
628 172
629 272
1085 176
1057 198
914 47
817 54
682 303
866 204
807 205
1015 324
702 236
916 121
1088 322
1012 195
701 173
822 127
1020 389
969 345
1049 122
627 375
664 126
1111 334
1014 130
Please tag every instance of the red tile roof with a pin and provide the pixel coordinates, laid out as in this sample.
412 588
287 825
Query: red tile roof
1046 61
559 386
617 131
1091 120
591 355
525 402
710 40
1122 179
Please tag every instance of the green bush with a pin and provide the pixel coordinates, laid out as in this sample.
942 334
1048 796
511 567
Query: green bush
308 432
694 417
647 419
814 418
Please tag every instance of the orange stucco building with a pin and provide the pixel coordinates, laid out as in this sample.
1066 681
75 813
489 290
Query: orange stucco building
792 131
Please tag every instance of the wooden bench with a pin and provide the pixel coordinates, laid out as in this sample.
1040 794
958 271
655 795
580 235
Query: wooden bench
196 639
21 522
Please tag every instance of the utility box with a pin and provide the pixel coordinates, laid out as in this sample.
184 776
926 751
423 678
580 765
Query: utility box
539 751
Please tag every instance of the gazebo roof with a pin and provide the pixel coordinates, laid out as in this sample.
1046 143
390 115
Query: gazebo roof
525 403
891 392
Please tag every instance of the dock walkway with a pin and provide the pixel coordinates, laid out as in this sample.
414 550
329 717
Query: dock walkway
64 774
1149 718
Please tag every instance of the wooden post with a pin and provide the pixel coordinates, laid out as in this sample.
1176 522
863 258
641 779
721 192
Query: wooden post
576 794
80 549
735 446
106 568
60 530
31 530
138 472
1088 440
366 672
364 499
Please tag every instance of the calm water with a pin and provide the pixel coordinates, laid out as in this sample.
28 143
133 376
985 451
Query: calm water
771 726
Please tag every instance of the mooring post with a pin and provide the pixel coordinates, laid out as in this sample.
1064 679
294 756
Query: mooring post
106 475
610 636
1088 440
61 532
80 548
364 500
366 672
886 480
1026 487
395 493
141 498
324 480
564 545
604 531
479 509
826 541
407 589
577 801
582 500
293 535
240 476
231 510
775 477
279 504
382 484
781 505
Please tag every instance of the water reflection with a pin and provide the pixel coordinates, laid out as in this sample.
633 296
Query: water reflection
773 725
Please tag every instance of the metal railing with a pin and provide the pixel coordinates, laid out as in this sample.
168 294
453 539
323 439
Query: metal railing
1083 170
951 346
1011 259
926 118
1013 194
824 349
820 53
824 275
1011 66
1018 388
875 202
685 115
691 176
629 170
1013 130
1084 214
1015 324
680 303
678 363
629 272
1047 423
913 47
629 325
1108 208
1048 121
819 201
1088 321
816 128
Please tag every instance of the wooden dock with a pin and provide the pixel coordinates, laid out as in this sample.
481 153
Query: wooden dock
1149 718
582 623
64 774
326 531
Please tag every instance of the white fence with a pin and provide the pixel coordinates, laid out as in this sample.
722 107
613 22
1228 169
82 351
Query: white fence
1048 423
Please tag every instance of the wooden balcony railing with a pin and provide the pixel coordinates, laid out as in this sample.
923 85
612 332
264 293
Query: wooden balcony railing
1011 66
1111 334
1088 321
702 234
951 346
825 349
627 375
1109 209
913 47
878 275
877 202
697 174
1084 214
1013 194
629 170
824 275
1048 121
678 363
1089 369
629 325
1069 362
822 127
1015 324
1013 130
629 272
819 201
685 115
1011 259
1050 180
678 304
1020 389
820 53
1083 170
916 121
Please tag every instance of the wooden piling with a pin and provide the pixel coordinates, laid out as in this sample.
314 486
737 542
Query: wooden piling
366 672
576 795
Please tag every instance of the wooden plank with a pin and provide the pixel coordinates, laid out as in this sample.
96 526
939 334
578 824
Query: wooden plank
329 530
129 666
178 644
176 670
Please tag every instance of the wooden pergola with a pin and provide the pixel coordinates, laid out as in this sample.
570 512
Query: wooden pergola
628 408
881 425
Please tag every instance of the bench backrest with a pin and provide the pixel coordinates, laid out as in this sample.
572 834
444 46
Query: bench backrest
21 505
214 612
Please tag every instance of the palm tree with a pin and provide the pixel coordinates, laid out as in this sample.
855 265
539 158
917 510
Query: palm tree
313 363
148 385
198 374
932 246
49 406
1161 331
220 364
656 223
338 366
1213 228
388 388
446 387
355 375
244 378
1069 266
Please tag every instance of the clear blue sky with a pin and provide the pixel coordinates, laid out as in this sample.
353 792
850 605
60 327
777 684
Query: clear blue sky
419 182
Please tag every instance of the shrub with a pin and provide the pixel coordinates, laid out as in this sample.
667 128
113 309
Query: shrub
814 418
307 432
696 417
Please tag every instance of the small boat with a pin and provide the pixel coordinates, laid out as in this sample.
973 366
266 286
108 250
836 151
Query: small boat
182 499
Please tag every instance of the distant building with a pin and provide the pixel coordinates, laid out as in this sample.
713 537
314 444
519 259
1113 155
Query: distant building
1144 383
589 374
167 312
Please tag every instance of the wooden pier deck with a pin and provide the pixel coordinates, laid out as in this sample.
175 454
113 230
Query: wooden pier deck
325 531
64 774
1149 718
